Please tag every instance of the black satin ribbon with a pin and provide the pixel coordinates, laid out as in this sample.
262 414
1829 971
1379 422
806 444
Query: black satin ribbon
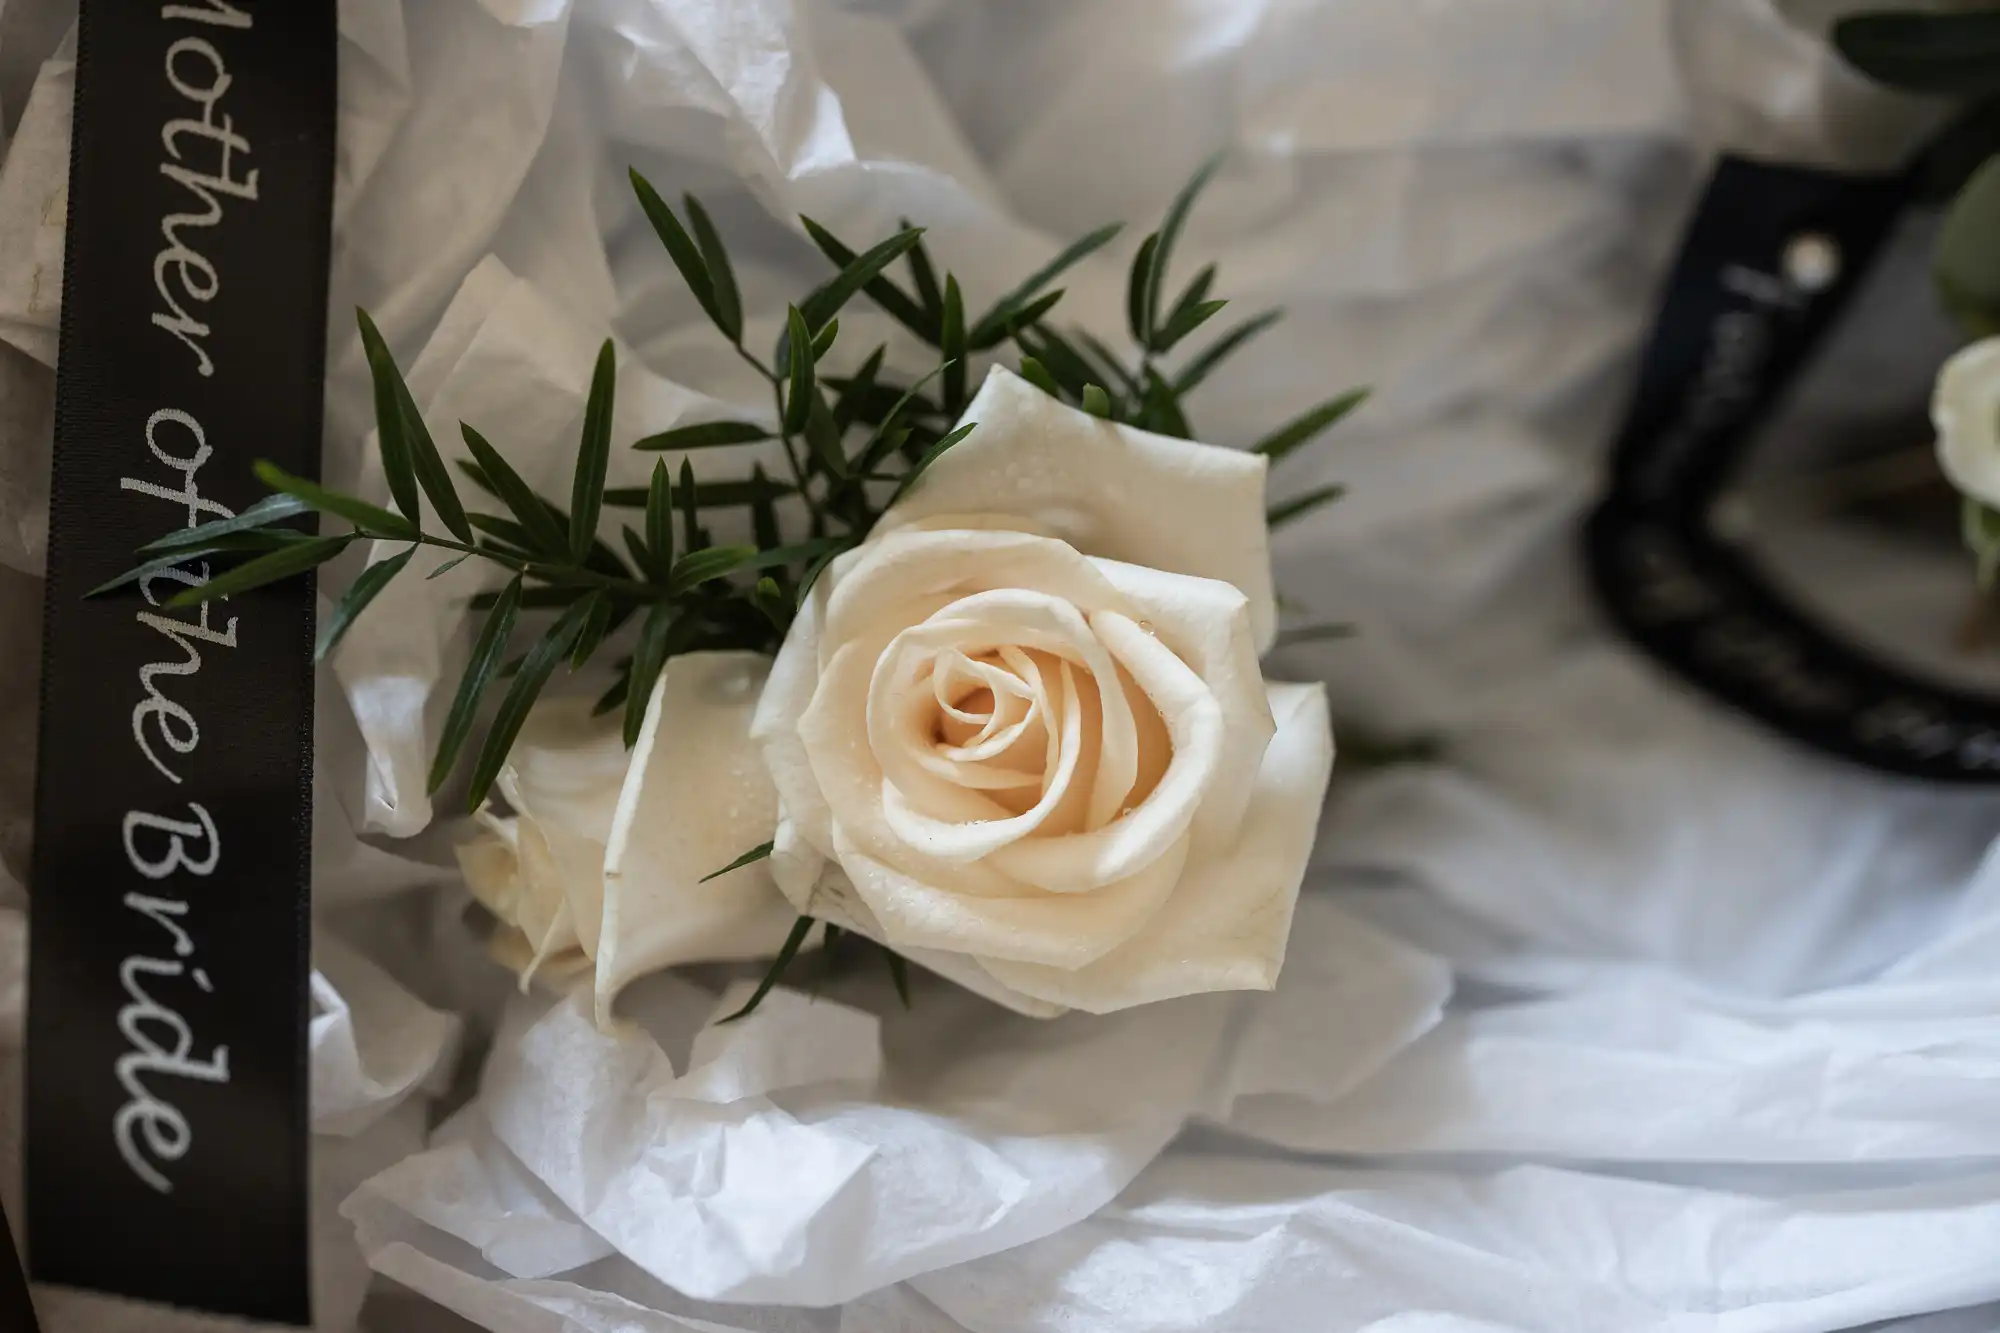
1768 264
170 931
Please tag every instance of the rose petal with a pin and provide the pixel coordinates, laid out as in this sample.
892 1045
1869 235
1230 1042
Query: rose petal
695 799
1226 924
562 777
1063 930
1207 624
1966 411
1108 489
805 825
1082 861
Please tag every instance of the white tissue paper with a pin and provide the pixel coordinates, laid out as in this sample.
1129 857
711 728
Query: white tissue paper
1621 1016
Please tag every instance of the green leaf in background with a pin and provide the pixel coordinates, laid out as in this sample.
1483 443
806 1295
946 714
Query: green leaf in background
1981 527
660 521
728 305
1020 319
1108 360
771 600
417 447
271 509
1952 54
545 536
536 668
826 300
682 249
1037 374
823 436
616 695
390 428
665 631
1288 638
1967 259
755 854
1299 506
1183 321
684 496
448 566
818 565
487 652
1308 425
878 448
990 327
923 275
596 624
884 293
227 544
850 394
1201 364
355 600
823 340
1160 408
951 345
799 369
1169 234
287 561
790 950
698 567
593 455
930 456
1096 401
1137 285
707 435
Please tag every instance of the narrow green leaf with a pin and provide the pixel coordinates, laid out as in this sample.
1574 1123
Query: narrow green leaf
1169 234
509 537
684 496
727 494
825 301
818 567
728 305
923 275
879 447
1101 355
1160 408
1037 374
1059 357
419 450
707 435
1966 260
1184 321
536 668
615 697
391 428
448 566
1195 293
899 974
884 293
227 544
596 623
786 953
660 520
680 248
647 659
1980 526
1954 55
951 345
635 547
545 536
487 652
1300 506
1137 285
771 600
1007 309
373 520
823 436
355 600
593 455
1203 362
1096 401
980 340
287 561
697 567
823 340
1309 424
851 394
931 456
798 394
755 854
271 509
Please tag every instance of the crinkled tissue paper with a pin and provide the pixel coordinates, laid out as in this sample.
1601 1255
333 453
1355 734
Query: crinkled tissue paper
1619 1016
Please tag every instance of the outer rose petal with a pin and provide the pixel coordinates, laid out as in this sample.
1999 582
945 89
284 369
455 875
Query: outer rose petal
1966 411
1108 490
695 798
1226 924
562 777
805 824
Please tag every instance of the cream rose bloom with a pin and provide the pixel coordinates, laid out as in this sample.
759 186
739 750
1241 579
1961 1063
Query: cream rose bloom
1965 409
595 866
1021 735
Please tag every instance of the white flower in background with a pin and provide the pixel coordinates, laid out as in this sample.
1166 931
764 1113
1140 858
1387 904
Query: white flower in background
596 866
1021 734
1966 411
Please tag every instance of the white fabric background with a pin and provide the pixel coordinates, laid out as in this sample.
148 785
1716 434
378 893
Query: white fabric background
1659 1023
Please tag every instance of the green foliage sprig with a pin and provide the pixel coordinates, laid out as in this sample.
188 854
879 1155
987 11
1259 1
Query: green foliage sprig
852 446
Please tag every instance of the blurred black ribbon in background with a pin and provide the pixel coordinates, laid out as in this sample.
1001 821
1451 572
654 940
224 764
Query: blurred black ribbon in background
170 929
